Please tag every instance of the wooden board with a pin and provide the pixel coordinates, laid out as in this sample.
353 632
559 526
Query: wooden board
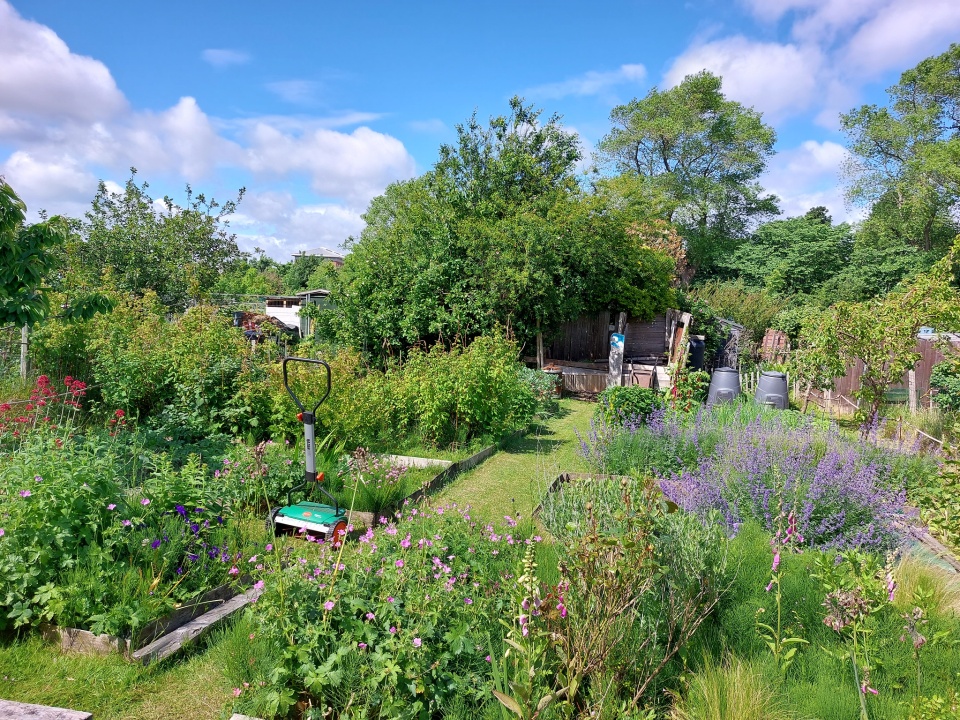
10 710
172 642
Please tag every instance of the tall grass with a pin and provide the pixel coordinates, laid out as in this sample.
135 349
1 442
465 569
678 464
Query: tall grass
734 691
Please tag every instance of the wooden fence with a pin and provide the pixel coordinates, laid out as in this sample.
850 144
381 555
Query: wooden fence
841 399
587 338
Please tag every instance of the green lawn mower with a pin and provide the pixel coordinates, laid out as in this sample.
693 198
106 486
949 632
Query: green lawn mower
328 522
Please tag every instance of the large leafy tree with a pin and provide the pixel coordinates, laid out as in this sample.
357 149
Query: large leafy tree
905 158
179 252
701 152
27 259
793 257
498 233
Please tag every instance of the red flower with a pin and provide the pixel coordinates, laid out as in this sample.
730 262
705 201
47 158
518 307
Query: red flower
119 413
4 407
43 380
29 406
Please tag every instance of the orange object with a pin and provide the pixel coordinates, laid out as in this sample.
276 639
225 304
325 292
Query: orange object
319 477
300 417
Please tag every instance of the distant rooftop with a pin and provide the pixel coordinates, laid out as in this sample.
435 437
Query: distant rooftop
321 252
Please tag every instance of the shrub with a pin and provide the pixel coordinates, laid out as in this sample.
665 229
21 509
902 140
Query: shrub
398 626
945 379
82 546
628 404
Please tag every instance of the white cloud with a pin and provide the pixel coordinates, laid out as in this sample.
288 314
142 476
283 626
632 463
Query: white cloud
275 223
41 78
775 79
298 92
589 83
60 185
224 58
903 35
807 176
67 124
355 166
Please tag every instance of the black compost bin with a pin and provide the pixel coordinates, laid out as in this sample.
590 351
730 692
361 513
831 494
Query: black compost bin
697 347
772 390
724 386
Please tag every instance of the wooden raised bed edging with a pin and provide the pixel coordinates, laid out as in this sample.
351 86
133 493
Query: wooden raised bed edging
73 640
24 711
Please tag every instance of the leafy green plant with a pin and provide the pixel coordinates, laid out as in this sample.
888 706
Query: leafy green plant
622 404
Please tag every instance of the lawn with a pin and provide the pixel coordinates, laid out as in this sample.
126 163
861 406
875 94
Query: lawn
515 479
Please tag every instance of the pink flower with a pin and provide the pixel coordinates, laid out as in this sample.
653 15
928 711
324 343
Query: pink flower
328 605
370 616
467 601
399 563
126 523
233 571
25 493
417 642
111 506
2 532
776 562
236 692
38 478
145 502
390 599
269 547
258 585
769 586
487 658
362 645
393 631
252 636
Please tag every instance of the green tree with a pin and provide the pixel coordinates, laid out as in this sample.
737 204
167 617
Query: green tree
793 257
881 333
905 158
179 252
498 233
27 259
703 153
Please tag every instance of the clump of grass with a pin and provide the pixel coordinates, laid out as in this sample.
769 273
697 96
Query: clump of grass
736 690
921 584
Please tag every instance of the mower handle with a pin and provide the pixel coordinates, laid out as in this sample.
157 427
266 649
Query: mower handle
286 384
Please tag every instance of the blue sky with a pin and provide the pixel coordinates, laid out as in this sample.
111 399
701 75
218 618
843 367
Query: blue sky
315 107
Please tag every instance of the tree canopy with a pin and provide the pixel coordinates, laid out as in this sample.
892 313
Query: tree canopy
498 233
703 154
905 158
179 252
27 259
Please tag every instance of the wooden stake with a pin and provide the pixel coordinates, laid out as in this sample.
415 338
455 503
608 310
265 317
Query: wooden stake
24 352
912 390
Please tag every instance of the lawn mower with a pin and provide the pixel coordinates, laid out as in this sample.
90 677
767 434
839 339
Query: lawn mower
314 519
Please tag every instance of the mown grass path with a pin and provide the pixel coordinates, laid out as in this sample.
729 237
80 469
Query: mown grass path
515 479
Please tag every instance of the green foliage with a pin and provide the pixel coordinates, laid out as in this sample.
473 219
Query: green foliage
737 690
27 259
754 309
945 380
400 630
178 254
497 234
903 157
623 404
85 547
701 152
792 257
881 333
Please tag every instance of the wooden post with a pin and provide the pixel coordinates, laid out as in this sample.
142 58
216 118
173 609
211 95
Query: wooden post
24 352
912 390
617 344
540 358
